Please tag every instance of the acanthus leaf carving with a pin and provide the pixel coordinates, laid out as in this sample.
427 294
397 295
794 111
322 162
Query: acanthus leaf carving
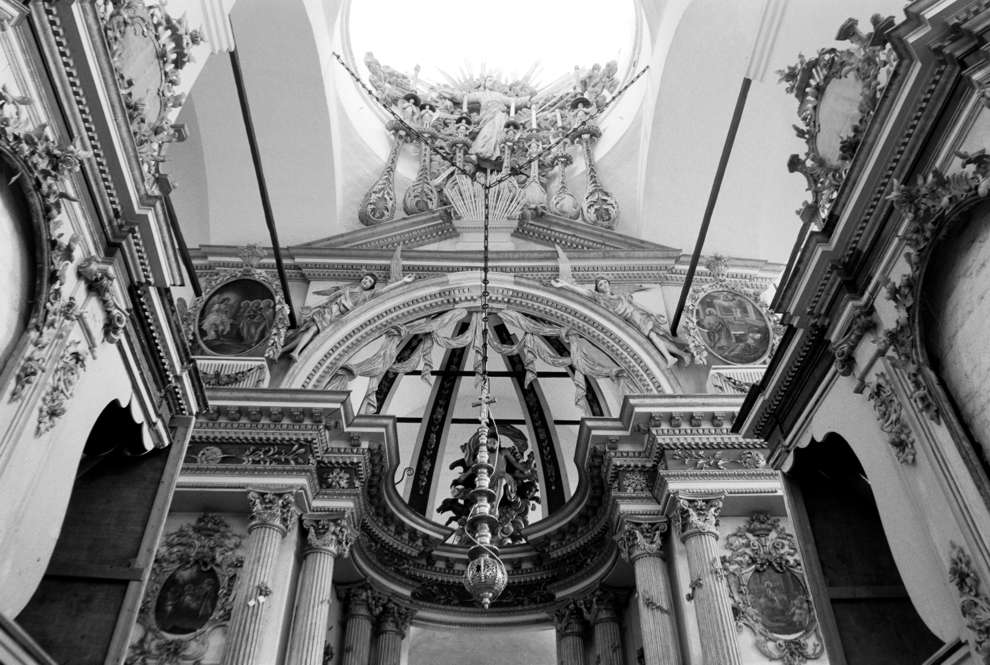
888 410
54 401
973 602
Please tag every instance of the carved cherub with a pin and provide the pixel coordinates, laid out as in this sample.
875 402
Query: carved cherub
654 326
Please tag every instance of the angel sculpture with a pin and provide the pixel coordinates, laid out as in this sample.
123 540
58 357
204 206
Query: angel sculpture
340 301
652 325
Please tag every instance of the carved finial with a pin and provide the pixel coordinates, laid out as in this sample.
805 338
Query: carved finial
718 266
251 255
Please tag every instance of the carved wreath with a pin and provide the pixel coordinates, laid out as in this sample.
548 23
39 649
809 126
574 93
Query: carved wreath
189 592
769 592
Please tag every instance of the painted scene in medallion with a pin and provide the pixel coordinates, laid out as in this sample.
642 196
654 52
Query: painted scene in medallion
780 600
187 599
237 318
733 327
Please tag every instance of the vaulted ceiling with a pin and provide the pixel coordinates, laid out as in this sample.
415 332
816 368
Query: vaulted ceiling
322 144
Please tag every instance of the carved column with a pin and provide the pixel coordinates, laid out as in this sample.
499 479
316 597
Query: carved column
698 516
570 634
641 543
393 620
357 633
326 539
608 633
271 516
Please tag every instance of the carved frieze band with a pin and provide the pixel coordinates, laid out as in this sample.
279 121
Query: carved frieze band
698 514
275 510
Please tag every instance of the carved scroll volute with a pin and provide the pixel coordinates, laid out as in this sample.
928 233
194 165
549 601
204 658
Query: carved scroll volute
378 205
599 207
422 196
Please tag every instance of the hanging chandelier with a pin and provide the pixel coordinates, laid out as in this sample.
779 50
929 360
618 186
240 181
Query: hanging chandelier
485 577
488 196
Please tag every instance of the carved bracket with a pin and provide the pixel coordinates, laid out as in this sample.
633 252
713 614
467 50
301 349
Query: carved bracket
100 280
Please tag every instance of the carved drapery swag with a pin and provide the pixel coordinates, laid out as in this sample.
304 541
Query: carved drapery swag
530 347
769 592
189 593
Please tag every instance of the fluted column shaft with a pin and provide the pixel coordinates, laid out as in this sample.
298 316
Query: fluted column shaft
357 633
570 635
607 632
326 540
709 590
393 621
641 542
271 516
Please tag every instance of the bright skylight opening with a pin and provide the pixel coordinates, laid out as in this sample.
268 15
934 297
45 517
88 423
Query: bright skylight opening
507 38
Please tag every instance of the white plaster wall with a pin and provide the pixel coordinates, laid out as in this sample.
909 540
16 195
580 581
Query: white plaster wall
16 269
480 646
956 296
37 473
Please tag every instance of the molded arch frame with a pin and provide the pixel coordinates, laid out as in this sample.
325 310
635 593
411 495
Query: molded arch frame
629 349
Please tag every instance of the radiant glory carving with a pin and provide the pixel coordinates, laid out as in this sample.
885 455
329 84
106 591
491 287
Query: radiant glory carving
482 133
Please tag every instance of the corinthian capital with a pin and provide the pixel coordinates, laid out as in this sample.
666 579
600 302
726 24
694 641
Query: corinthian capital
698 514
638 538
394 617
273 510
329 535
569 619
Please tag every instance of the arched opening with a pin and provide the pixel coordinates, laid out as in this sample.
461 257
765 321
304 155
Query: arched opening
84 608
867 614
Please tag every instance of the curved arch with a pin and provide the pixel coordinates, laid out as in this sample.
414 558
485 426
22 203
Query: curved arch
629 349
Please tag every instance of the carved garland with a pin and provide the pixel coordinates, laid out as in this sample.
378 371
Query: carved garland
973 603
768 589
927 206
46 164
192 582
888 410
